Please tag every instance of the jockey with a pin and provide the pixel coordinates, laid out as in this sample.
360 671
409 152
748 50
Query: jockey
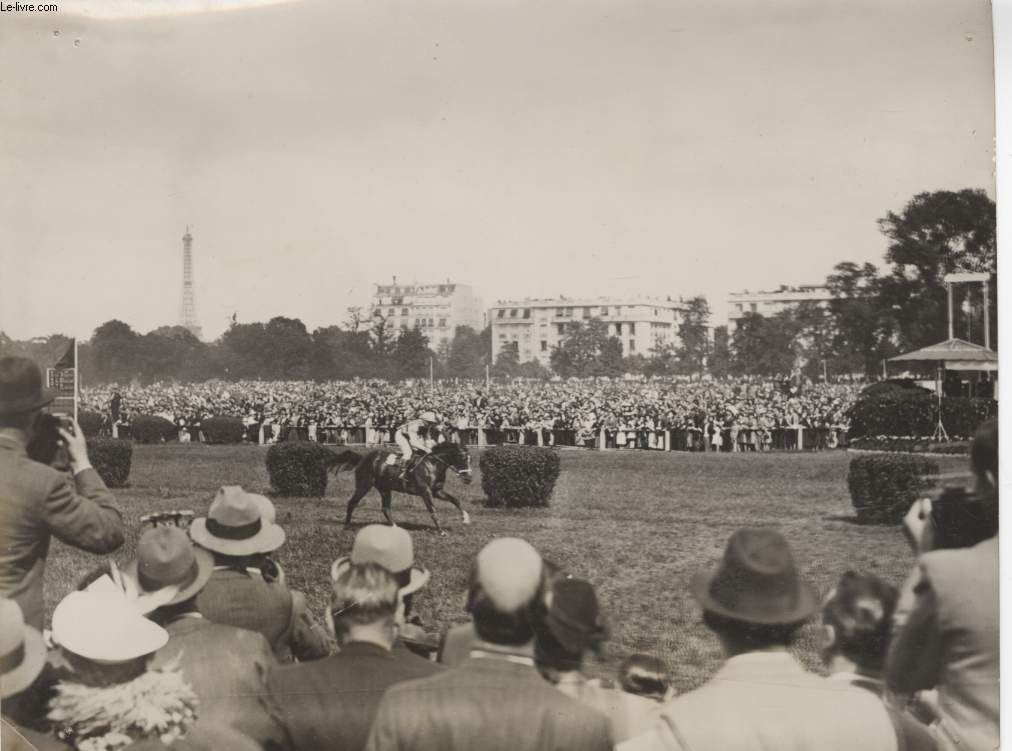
414 434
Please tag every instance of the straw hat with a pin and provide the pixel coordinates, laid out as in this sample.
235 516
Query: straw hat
168 560
22 650
104 627
389 547
237 525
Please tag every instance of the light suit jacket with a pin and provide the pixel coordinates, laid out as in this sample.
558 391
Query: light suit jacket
765 700
36 502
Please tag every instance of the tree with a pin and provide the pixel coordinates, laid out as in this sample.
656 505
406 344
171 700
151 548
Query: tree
290 348
116 351
468 355
587 350
694 345
507 362
935 234
765 346
720 360
410 354
533 369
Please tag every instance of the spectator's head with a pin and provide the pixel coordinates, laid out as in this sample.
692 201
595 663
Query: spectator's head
571 625
103 636
22 395
984 456
754 599
168 572
365 604
857 619
645 675
391 548
238 526
22 653
505 592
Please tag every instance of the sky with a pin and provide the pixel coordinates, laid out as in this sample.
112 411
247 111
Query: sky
576 147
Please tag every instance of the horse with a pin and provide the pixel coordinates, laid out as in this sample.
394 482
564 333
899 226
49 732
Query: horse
425 477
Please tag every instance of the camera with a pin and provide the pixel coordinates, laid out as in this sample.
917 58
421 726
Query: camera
961 518
45 443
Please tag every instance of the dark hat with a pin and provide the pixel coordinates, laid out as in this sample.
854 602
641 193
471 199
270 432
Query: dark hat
21 387
168 561
756 582
574 617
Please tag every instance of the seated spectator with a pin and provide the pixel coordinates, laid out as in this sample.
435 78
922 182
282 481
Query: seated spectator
237 594
762 698
225 666
22 660
331 703
646 676
857 618
495 699
393 549
946 623
571 627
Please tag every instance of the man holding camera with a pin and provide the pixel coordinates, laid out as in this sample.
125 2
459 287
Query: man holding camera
946 623
37 501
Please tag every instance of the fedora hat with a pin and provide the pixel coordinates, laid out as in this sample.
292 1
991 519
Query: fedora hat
756 581
574 617
170 564
21 387
105 627
235 524
22 650
389 547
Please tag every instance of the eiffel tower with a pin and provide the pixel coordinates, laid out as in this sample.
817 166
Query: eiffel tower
187 307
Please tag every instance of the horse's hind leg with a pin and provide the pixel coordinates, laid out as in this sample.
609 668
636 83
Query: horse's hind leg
444 496
386 496
360 491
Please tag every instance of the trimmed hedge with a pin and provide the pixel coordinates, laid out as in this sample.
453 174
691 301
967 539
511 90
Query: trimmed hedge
298 468
518 476
90 422
152 429
111 458
909 445
883 486
903 412
223 430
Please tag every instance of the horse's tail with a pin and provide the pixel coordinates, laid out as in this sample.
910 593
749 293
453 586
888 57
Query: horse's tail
346 460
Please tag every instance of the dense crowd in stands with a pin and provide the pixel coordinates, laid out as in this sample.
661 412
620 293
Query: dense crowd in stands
587 405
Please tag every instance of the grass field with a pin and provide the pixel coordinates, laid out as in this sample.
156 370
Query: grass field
638 525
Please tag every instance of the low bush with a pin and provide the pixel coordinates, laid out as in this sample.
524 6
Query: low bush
90 422
518 476
298 468
882 486
911 412
909 445
152 429
223 430
111 458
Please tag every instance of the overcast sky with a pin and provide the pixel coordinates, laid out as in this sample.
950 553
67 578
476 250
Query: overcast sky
536 148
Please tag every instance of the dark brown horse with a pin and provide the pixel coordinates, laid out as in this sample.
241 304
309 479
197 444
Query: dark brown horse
425 478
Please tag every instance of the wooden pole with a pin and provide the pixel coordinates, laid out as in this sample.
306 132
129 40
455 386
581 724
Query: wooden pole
948 292
987 316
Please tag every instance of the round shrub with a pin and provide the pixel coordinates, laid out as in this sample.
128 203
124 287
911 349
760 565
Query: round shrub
518 476
223 429
152 429
882 486
111 458
912 412
298 468
90 422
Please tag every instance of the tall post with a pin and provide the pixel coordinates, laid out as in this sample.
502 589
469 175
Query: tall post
987 316
486 376
948 292
884 374
77 379
432 380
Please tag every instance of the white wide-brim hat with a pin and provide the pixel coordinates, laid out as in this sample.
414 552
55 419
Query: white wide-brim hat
237 524
22 650
105 627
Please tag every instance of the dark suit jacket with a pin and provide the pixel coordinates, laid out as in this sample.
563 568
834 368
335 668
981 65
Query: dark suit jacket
330 703
490 704
13 737
225 666
36 501
244 600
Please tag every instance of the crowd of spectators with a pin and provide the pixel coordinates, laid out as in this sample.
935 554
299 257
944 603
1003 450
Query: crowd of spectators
734 411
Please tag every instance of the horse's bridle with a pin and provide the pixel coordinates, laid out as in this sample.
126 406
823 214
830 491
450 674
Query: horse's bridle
460 472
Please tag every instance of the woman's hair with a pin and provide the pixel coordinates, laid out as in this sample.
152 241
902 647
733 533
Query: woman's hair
860 610
364 593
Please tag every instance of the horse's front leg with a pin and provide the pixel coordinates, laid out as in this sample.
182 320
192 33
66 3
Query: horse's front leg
386 497
427 497
442 495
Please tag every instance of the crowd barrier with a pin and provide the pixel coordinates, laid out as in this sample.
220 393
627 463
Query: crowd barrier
791 438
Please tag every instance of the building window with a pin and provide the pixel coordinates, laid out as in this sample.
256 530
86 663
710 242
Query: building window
632 345
390 312
404 311
562 328
754 307
502 337
604 310
632 328
500 313
618 310
527 312
618 329
513 313
544 345
442 323
738 305
586 312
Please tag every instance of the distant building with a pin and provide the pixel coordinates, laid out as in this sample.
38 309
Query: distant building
535 327
436 309
769 303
